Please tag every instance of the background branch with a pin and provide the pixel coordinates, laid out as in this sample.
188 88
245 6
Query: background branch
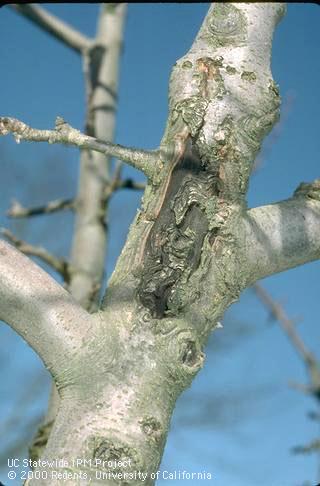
19 211
117 183
54 26
279 314
131 184
101 69
287 325
58 264
89 243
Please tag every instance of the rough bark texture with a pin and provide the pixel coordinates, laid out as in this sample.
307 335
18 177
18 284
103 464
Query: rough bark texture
192 248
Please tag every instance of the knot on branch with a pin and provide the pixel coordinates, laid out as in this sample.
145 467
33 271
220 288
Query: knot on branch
65 133
225 26
314 446
4 129
184 355
309 190
11 125
152 428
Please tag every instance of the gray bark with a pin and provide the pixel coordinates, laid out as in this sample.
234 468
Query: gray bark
191 250
54 26
39 309
283 235
101 67
89 246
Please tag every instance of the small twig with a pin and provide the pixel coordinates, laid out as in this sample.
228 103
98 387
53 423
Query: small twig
19 211
117 172
54 26
131 184
118 183
312 415
313 446
287 324
288 327
63 133
309 359
59 265
307 389
128 183
111 186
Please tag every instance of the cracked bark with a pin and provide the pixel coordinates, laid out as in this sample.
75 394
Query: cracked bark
191 250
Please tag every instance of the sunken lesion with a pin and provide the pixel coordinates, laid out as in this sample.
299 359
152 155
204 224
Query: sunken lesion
110 450
173 249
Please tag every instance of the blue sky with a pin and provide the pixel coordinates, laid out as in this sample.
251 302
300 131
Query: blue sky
240 418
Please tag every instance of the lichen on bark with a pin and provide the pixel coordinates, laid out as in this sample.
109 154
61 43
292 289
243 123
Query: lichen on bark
185 258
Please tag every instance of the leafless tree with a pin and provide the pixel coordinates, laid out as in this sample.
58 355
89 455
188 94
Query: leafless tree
119 367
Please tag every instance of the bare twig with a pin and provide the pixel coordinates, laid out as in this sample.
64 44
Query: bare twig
312 415
301 387
117 170
115 185
313 446
19 211
118 183
288 327
127 183
287 324
309 359
131 184
58 264
54 26
65 134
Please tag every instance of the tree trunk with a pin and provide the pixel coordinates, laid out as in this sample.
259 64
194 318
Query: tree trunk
192 248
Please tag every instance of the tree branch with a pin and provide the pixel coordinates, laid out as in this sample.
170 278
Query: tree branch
19 211
118 183
223 92
131 184
287 325
54 26
143 160
101 66
283 235
39 309
279 314
313 446
59 265
222 103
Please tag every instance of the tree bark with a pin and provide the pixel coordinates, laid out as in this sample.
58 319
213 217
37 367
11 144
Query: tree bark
191 250
101 67
89 246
